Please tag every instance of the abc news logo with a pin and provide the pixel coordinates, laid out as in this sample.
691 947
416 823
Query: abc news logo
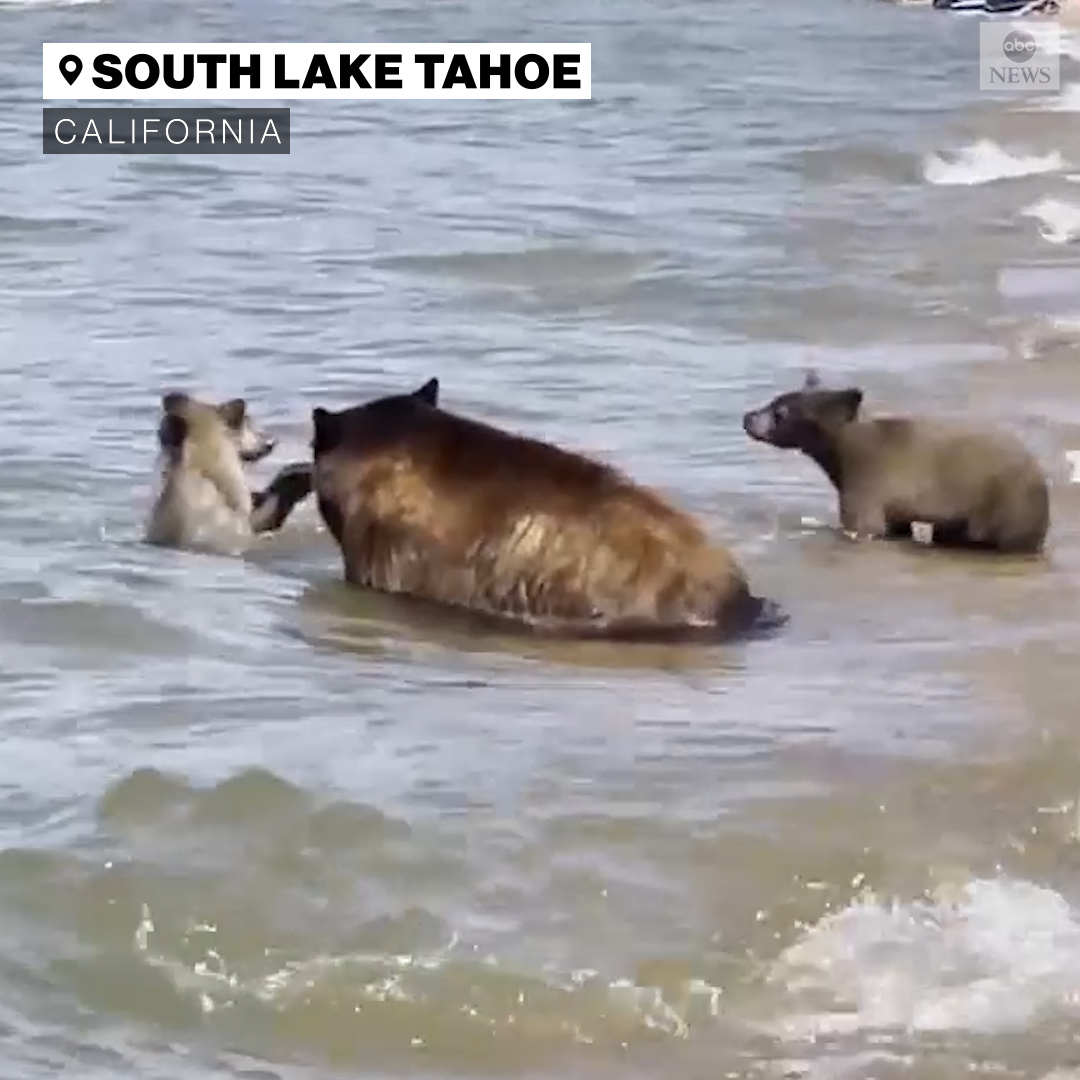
1019 47
1013 59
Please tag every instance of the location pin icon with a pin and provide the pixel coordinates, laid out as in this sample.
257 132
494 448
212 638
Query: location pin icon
70 67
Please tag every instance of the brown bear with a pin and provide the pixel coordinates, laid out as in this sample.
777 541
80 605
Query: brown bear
204 501
896 476
430 504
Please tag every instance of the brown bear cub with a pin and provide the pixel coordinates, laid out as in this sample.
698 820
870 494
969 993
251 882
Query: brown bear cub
204 500
429 504
928 480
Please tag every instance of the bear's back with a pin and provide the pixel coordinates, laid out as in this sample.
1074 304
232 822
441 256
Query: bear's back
457 510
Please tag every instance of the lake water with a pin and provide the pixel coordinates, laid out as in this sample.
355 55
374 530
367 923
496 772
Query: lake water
255 825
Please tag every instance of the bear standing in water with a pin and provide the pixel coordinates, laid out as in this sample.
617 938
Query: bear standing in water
900 476
425 503
204 500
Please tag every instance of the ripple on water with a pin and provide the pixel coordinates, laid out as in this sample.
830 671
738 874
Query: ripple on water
179 168
41 231
325 927
116 630
565 266
261 914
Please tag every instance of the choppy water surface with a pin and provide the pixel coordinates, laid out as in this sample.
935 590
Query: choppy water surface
252 825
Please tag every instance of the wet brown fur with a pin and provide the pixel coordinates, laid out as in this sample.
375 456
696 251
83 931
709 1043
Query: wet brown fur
440 507
977 489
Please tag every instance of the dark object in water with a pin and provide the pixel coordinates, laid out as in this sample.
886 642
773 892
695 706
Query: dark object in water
1000 7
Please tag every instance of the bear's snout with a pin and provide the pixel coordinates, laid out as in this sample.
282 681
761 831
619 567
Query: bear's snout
758 424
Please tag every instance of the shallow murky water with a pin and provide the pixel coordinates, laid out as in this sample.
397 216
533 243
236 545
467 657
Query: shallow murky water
252 824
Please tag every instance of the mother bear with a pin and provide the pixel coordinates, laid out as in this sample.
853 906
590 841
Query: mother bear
434 505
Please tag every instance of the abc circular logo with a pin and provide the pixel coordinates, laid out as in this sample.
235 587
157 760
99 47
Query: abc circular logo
1018 46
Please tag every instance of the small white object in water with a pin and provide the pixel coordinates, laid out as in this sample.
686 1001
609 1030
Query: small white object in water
1059 221
1073 458
144 929
985 161
922 532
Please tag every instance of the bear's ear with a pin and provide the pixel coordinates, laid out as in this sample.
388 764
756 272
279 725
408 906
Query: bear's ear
847 403
172 431
233 413
428 393
324 430
174 401
812 380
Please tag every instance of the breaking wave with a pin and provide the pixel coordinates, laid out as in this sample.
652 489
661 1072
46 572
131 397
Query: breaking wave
988 957
1059 221
984 162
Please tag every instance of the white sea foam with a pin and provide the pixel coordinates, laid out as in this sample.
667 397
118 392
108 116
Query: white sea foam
1054 39
1067 101
1070 99
1059 221
1067 326
985 161
1065 43
1073 458
987 957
